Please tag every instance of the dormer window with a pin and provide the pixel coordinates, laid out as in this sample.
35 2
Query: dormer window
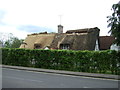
65 46
37 46
24 44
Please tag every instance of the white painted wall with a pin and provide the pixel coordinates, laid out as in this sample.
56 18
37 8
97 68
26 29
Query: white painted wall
97 46
115 47
46 48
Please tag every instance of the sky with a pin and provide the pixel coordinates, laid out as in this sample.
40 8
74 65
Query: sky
22 17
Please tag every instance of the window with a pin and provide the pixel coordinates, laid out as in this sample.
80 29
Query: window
36 46
65 46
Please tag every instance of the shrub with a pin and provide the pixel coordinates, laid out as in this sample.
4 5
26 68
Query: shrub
82 61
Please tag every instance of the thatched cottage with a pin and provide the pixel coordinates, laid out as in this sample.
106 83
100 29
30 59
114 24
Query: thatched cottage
80 39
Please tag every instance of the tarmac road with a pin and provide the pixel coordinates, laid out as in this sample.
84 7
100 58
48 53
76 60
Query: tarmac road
13 78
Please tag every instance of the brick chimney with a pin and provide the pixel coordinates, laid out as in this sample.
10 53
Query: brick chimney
60 29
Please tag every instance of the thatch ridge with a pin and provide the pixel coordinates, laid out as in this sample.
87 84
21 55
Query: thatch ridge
85 30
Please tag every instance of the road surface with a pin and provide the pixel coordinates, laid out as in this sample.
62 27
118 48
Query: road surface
13 78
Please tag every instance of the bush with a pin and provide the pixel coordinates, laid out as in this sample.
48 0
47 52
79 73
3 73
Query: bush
81 61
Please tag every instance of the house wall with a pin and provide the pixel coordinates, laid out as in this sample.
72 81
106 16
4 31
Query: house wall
97 46
115 47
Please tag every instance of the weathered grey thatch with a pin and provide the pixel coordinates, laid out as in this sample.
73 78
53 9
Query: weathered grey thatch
81 39
57 39
86 30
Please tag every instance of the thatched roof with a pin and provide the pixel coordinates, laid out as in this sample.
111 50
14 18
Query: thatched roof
68 39
57 39
42 39
77 41
86 30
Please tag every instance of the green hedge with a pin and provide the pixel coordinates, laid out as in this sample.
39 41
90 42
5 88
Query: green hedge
81 61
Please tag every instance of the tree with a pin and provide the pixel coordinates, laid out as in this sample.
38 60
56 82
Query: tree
13 42
16 42
114 23
9 41
0 43
4 37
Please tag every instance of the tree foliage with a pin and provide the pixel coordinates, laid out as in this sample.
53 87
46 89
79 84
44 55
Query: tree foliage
13 42
4 37
114 23
7 40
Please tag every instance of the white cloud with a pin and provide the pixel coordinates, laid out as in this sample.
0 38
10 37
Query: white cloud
76 14
14 31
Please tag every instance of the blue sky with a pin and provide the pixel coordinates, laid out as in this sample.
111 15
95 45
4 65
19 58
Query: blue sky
22 17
